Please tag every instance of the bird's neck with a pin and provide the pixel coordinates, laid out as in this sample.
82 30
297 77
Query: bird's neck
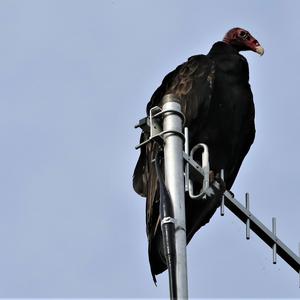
222 48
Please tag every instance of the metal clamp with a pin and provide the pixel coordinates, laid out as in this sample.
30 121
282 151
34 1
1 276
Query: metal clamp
205 169
154 125
173 111
167 220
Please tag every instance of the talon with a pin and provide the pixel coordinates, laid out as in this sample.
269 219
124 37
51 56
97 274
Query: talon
221 182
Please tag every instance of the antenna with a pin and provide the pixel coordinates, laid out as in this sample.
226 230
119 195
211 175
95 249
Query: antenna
181 171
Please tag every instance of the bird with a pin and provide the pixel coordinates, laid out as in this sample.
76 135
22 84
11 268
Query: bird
217 102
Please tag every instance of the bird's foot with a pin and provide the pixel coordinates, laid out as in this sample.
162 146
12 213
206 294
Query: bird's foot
221 182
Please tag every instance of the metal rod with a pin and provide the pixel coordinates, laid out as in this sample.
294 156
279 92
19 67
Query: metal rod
247 200
299 257
275 245
261 230
186 150
173 154
223 197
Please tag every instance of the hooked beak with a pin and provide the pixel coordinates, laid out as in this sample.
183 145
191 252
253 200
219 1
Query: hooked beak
260 50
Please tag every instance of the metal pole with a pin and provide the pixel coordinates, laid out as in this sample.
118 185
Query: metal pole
275 245
173 158
299 256
187 151
248 220
223 197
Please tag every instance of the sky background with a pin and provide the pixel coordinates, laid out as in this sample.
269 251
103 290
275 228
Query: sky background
75 78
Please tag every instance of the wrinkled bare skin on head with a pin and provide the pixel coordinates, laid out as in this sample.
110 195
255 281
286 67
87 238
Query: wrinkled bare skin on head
242 40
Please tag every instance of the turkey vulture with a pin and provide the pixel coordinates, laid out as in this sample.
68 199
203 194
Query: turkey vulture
217 102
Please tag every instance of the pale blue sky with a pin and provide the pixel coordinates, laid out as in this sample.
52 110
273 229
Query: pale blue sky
75 78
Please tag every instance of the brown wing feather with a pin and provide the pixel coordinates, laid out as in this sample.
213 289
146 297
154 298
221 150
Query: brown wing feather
193 86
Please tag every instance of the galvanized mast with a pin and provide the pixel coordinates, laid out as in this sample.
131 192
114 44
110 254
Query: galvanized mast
174 180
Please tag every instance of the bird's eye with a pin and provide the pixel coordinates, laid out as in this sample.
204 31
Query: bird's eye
243 35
